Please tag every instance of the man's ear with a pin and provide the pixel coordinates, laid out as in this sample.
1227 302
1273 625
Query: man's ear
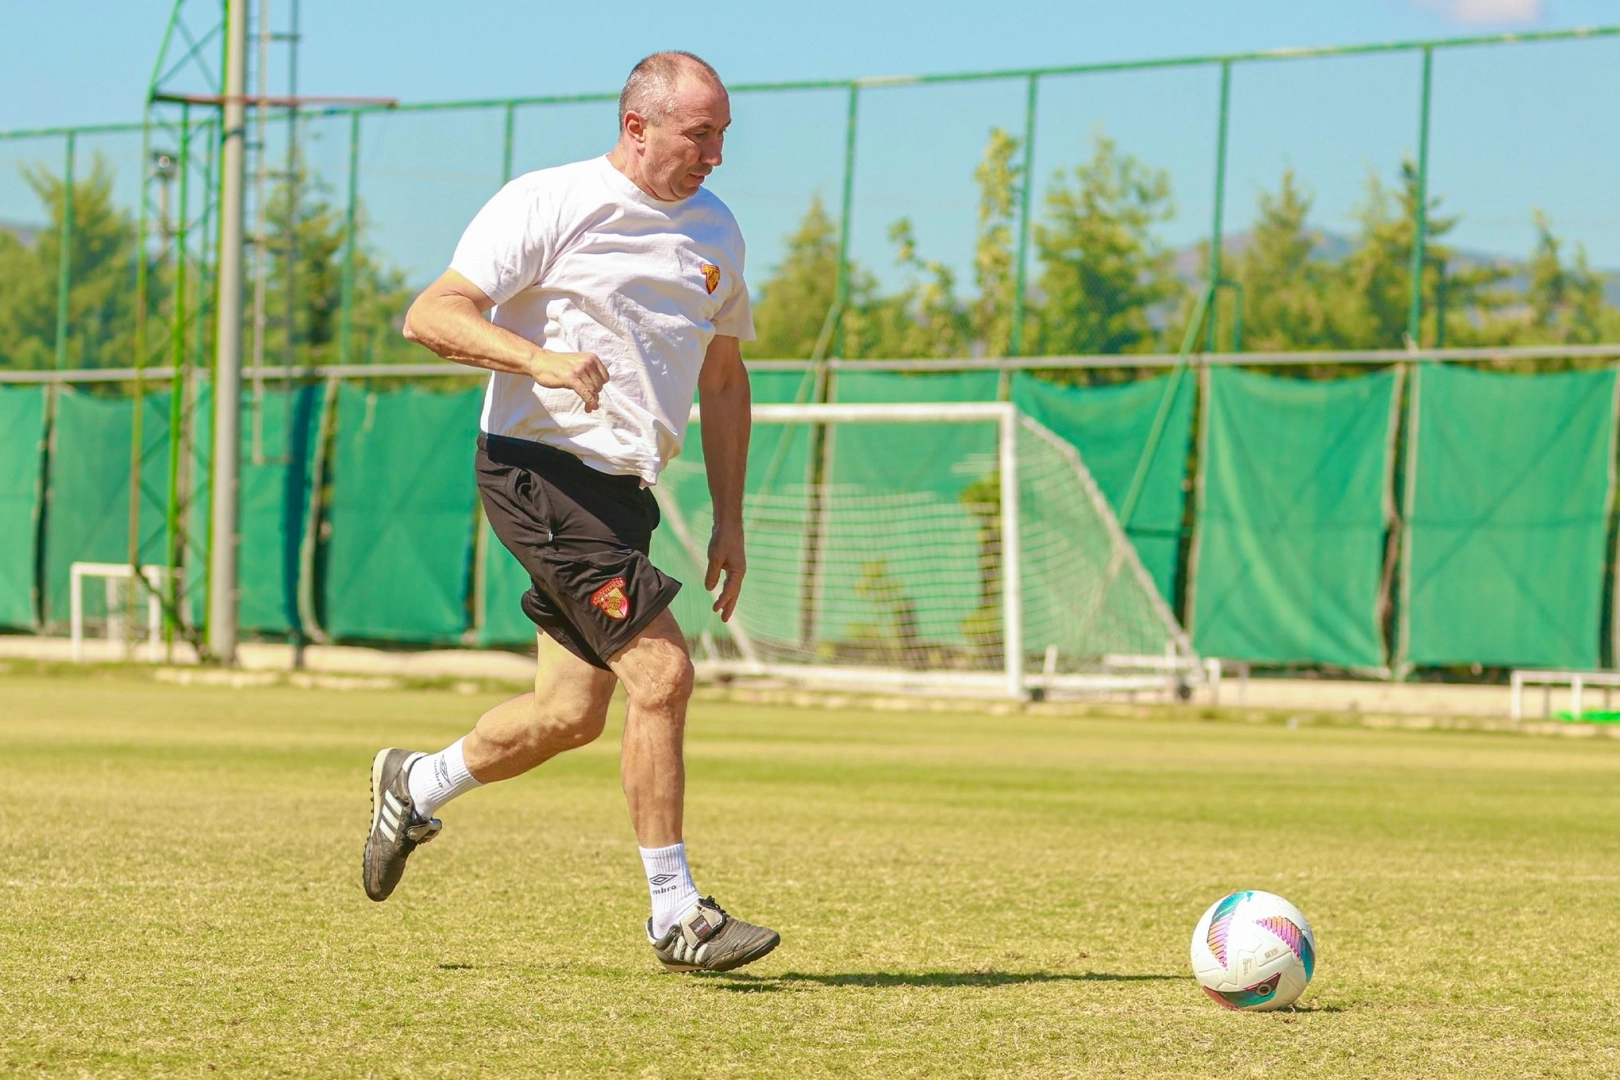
635 126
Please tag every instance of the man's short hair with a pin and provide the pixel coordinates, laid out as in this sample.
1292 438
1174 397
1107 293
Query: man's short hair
650 89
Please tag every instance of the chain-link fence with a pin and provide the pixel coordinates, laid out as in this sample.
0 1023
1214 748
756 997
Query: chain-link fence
1435 194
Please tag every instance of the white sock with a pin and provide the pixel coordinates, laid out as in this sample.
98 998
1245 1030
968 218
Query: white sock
669 880
437 778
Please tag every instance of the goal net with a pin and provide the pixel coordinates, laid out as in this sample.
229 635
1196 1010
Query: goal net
939 547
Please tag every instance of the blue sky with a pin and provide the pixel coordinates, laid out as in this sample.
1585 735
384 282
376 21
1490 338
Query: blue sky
1514 129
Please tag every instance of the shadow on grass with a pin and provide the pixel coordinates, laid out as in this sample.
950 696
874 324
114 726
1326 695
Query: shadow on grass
754 984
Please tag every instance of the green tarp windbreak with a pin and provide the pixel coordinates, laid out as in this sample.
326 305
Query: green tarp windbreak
87 503
1295 504
1509 483
401 516
22 448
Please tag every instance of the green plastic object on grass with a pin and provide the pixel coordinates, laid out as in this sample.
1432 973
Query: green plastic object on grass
1598 716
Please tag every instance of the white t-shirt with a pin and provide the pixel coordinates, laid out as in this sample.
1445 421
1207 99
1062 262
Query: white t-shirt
579 259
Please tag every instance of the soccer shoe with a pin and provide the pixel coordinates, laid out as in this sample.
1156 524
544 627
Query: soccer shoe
707 939
394 832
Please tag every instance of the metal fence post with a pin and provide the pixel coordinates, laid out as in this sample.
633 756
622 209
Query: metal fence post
1420 212
1216 236
1015 333
506 142
177 385
841 296
64 258
1015 339
346 314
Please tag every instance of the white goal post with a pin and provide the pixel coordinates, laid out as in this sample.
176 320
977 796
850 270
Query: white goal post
115 576
1009 576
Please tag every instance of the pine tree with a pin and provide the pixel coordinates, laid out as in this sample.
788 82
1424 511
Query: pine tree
101 266
1370 305
795 300
1284 301
1103 270
1565 301
316 228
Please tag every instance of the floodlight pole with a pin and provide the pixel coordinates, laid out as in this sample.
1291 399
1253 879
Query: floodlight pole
228 357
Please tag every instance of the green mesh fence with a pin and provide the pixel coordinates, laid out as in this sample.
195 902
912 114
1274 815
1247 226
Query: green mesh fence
401 515
275 487
1509 482
1295 504
1110 427
87 501
22 442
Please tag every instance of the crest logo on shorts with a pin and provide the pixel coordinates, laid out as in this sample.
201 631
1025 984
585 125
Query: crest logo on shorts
711 277
611 599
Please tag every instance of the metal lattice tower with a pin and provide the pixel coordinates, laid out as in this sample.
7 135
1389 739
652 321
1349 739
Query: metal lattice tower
174 286
180 258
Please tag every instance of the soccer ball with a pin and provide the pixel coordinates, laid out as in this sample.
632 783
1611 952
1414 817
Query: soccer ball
1253 951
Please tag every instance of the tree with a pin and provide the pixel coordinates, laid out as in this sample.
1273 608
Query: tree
795 300
1285 302
1565 301
1371 307
1103 271
994 272
316 228
101 265
925 319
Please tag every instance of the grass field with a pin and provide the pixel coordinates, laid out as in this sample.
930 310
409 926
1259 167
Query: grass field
958 895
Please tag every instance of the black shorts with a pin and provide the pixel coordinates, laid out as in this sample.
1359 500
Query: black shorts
583 536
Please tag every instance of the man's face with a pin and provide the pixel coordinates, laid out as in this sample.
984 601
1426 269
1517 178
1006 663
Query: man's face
681 149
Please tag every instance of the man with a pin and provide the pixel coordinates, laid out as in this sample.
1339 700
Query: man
617 288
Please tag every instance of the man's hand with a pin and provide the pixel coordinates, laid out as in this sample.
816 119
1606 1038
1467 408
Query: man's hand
582 372
448 318
726 553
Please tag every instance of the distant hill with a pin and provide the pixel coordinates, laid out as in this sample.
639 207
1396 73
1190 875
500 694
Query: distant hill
24 233
1332 247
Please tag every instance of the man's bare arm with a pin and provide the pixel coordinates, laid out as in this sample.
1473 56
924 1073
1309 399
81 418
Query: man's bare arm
448 318
727 422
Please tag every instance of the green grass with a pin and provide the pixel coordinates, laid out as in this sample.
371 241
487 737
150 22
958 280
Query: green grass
959 895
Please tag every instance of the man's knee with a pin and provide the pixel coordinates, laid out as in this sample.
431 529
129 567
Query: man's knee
570 730
664 680
571 714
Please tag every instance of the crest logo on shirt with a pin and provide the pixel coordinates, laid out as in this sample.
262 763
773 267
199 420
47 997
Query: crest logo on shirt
611 599
711 277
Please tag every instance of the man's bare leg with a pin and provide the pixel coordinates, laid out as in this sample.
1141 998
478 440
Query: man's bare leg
566 709
687 932
656 671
